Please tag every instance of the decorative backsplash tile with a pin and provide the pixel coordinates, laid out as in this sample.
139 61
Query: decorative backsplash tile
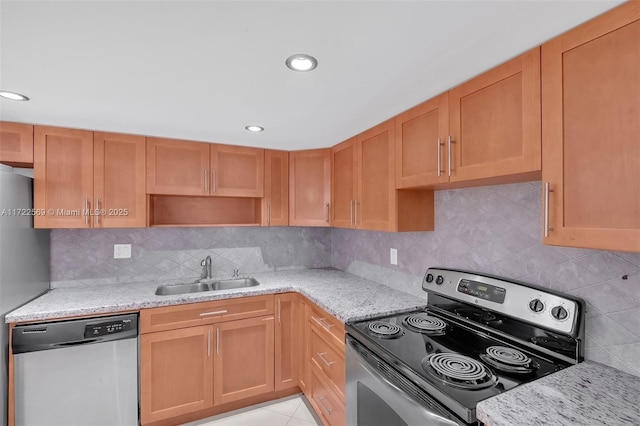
497 230
85 257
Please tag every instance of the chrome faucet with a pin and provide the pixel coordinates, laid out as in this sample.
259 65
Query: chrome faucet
206 270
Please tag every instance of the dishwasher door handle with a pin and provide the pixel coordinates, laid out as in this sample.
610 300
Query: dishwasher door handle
76 343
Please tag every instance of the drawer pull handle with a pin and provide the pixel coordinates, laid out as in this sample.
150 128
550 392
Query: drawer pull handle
327 409
267 319
321 355
323 323
206 314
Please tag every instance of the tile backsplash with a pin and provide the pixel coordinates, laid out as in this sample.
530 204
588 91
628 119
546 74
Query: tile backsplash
497 230
85 257
494 229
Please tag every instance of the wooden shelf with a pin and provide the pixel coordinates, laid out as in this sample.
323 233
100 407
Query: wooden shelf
177 211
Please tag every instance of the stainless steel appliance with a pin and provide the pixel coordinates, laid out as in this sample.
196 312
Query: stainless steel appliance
77 372
479 336
24 259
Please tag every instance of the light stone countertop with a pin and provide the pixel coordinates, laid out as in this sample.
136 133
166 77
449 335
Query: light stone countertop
586 394
346 296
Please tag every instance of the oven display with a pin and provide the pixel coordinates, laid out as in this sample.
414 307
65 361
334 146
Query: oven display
482 290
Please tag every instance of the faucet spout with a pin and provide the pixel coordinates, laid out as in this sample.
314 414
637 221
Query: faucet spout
206 270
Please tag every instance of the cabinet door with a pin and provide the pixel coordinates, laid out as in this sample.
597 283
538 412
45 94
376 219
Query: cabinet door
303 355
119 180
237 171
495 121
244 359
286 341
310 187
591 137
344 183
16 144
275 204
376 206
63 177
177 167
421 137
176 372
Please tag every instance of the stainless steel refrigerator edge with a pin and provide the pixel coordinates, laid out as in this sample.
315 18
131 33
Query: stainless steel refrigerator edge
24 258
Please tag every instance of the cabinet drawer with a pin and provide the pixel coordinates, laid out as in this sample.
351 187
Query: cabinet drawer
329 360
324 401
328 325
193 314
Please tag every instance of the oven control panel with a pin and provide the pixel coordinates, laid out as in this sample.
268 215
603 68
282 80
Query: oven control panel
519 300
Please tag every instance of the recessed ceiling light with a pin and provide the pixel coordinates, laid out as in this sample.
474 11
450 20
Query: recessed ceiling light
254 128
13 96
301 62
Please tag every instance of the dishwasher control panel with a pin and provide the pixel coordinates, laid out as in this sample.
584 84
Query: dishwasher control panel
106 328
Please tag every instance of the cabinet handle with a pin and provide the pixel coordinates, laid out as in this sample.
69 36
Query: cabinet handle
439 157
269 214
322 404
328 212
355 213
279 311
86 211
214 184
206 314
451 141
209 343
321 355
217 341
97 211
350 212
206 181
547 190
322 322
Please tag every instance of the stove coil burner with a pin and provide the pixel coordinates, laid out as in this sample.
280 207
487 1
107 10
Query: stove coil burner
459 371
508 360
426 324
385 330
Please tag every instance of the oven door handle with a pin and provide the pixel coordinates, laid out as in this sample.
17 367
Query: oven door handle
427 415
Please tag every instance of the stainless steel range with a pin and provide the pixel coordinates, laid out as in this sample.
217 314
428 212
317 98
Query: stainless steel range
479 336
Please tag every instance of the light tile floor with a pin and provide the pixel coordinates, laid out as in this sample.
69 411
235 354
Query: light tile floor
289 411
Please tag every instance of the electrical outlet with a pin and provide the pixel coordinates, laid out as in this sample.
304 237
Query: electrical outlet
394 256
122 251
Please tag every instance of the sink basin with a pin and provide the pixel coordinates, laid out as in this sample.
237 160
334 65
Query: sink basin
171 289
234 283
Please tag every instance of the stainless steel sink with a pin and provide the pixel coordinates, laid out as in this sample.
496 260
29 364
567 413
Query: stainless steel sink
234 283
171 289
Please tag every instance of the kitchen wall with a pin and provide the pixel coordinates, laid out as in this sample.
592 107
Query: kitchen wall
497 229
82 257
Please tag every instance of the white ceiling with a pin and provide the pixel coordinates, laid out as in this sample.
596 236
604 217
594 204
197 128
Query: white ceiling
202 70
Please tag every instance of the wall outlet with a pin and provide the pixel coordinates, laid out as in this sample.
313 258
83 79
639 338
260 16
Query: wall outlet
393 254
122 251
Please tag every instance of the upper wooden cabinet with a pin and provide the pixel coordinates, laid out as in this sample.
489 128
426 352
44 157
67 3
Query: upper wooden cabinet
16 144
177 167
195 168
275 204
591 133
495 122
237 171
421 136
119 181
363 186
63 177
310 187
88 180
485 130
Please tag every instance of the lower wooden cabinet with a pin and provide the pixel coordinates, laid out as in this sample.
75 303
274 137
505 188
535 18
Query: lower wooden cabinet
244 359
331 410
176 373
287 346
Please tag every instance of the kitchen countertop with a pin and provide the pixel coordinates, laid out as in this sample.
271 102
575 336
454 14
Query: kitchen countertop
345 296
586 394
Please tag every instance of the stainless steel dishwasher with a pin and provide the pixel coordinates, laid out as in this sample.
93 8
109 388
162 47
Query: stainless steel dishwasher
77 372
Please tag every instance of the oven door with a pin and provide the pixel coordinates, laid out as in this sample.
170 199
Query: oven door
375 394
